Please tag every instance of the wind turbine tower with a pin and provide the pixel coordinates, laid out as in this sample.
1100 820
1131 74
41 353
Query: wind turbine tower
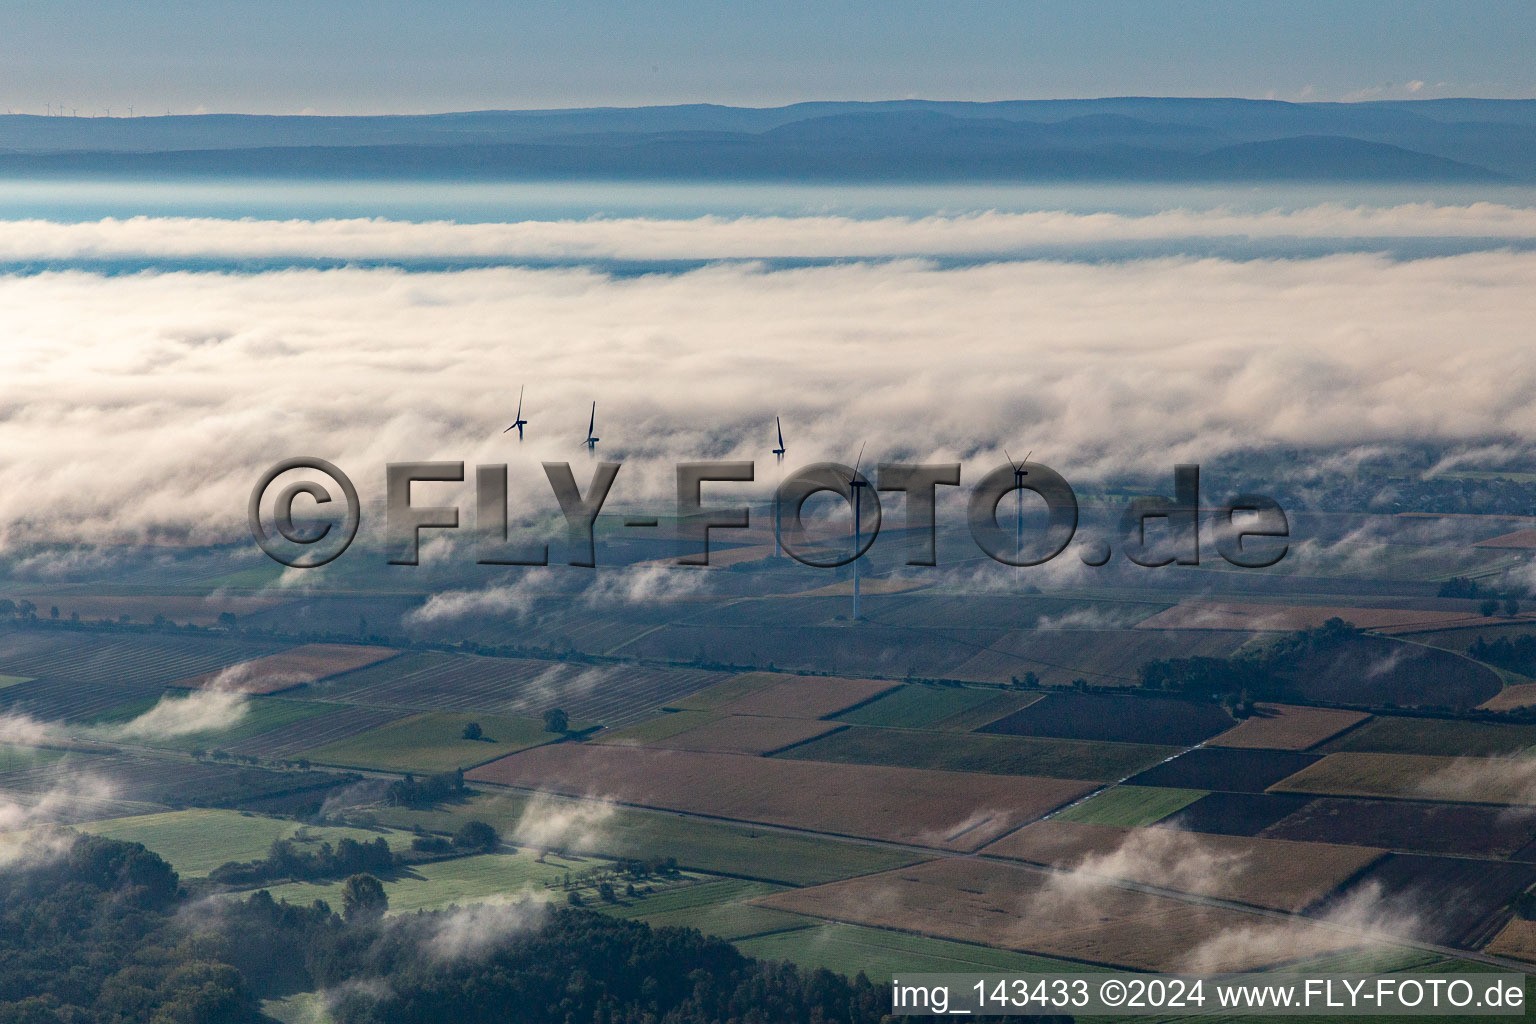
1019 473
521 423
591 441
778 544
858 484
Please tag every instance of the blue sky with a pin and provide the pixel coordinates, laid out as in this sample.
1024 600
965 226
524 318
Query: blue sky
382 56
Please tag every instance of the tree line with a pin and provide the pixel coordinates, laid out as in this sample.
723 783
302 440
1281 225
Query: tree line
103 933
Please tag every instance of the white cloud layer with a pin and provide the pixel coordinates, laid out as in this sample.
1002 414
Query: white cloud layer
713 237
145 405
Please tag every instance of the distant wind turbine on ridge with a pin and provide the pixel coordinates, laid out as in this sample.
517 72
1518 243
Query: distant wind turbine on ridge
520 422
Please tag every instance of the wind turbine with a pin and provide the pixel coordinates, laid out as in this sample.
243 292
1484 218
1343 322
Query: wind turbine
591 442
778 543
1019 473
521 423
858 484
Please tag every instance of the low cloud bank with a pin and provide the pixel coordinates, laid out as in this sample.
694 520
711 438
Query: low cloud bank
714 237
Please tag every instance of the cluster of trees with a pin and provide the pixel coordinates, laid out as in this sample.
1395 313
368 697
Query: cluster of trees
90 937
1243 678
434 789
103 934
1493 601
1517 654
289 859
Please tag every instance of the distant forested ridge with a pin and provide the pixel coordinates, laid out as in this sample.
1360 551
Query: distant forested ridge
1124 139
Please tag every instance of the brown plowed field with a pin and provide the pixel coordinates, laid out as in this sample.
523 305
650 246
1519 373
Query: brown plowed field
1287 727
1030 910
1264 872
307 664
954 810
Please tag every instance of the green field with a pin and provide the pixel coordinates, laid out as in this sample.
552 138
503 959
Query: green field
657 729
433 742
1397 735
918 707
18 759
994 755
1131 806
197 841
988 711
464 880
730 921
299 1008
721 694
849 949
692 897
714 907
262 714
707 846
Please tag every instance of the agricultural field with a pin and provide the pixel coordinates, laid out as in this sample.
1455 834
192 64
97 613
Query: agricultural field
1517 941
1514 695
1450 900
195 842
1130 806
803 696
53 700
1239 814
1104 657
717 907
1377 671
610 695
1487 629
830 647
1481 780
262 715
178 608
881 954
297 666
169 781
902 804
1225 769
653 731
1412 826
1394 734
333 722
433 742
748 734
1089 716
974 752
919 706
1287 727
1028 910
1289 618
129 662
712 847
1269 873
462 880
987 711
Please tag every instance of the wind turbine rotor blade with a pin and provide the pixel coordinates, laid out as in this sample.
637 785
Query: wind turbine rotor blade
856 463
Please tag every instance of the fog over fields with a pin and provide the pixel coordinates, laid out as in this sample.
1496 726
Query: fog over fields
143 401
